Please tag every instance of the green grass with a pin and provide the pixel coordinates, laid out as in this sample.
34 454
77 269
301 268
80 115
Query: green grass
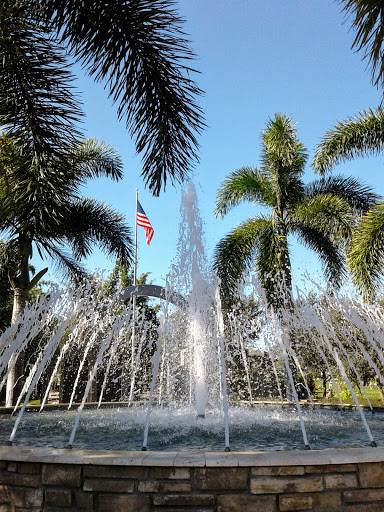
372 392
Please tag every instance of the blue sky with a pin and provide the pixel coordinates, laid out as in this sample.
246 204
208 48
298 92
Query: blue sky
255 58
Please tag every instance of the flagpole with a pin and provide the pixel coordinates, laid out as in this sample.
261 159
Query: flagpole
135 257
132 386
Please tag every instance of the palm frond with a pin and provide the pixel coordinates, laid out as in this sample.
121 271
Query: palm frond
37 105
360 135
35 202
38 202
93 158
283 158
245 184
90 222
234 253
366 255
328 214
282 150
8 254
64 262
332 258
139 51
367 16
359 197
6 222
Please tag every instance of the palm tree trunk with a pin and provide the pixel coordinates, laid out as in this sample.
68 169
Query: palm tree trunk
14 383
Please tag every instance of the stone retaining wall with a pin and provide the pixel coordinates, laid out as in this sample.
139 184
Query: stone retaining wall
64 481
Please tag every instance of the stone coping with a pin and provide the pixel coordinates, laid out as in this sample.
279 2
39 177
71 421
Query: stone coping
193 458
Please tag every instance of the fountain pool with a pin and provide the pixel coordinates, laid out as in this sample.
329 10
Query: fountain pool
252 429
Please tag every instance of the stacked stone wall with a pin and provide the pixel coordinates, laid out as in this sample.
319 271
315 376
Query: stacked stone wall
58 487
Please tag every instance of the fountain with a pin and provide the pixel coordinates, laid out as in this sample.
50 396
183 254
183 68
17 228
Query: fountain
198 379
193 349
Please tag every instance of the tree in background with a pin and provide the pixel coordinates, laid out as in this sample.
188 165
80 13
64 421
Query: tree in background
146 324
45 210
137 49
242 326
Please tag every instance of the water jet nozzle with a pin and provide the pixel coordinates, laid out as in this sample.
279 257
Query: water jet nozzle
8 443
307 447
69 447
202 416
144 449
373 444
227 449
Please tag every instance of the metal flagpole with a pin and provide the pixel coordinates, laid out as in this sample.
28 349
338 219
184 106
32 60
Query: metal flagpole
135 257
134 310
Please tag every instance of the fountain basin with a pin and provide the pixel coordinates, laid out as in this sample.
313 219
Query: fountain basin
255 428
338 479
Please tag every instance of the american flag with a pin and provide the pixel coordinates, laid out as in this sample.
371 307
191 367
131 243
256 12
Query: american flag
142 220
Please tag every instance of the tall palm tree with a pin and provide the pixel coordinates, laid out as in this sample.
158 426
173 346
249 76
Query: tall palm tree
362 135
367 18
320 214
136 48
45 210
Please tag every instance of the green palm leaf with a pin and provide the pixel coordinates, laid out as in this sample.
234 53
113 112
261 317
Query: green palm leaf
358 136
329 214
281 146
366 255
283 157
359 197
322 214
368 18
245 184
93 159
64 262
47 208
90 222
234 253
330 255
271 265
37 105
139 51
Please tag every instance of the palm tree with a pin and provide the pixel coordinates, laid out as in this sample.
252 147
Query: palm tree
320 214
362 135
137 49
44 210
367 19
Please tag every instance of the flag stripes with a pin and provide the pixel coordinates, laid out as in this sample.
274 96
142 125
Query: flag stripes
142 221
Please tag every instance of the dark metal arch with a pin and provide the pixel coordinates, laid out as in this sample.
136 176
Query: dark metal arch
152 290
